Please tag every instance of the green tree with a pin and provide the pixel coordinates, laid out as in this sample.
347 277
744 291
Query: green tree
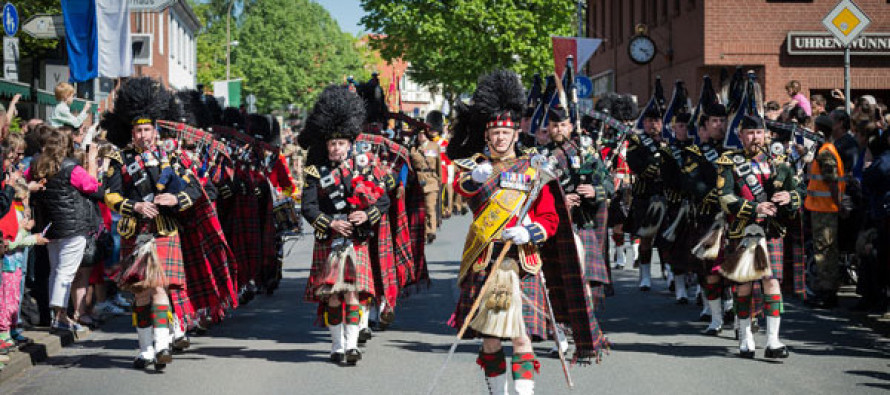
451 42
288 50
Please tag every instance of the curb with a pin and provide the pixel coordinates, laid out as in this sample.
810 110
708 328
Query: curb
45 345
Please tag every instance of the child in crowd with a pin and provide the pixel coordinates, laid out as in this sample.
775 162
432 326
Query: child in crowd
18 223
62 115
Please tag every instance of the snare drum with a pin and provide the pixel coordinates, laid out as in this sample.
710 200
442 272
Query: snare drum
286 216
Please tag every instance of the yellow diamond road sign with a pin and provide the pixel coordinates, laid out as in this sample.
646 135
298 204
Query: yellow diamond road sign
845 21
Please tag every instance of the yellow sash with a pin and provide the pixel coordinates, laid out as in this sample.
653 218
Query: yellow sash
503 205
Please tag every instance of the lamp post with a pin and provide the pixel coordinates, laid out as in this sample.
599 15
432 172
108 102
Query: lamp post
228 37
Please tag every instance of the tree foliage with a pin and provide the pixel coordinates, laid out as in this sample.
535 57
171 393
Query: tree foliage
288 50
452 42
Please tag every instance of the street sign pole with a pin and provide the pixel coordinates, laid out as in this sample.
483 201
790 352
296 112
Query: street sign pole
847 97
846 21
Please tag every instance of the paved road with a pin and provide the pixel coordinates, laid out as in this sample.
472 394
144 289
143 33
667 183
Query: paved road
270 347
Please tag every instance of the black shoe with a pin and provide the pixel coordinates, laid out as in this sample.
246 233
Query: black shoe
644 288
353 356
430 238
364 335
746 354
773 353
337 357
610 290
672 287
698 302
142 363
713 331
704 318
683 301
464 210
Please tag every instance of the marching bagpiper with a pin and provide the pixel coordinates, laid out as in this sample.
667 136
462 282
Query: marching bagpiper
648 207
343 200
700 179
587 185
757 193
513 204
149 194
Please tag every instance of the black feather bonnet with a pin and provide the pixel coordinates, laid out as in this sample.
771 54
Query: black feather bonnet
139 101
498 102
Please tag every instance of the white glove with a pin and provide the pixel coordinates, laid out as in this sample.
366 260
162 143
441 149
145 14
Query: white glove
519 235
482 172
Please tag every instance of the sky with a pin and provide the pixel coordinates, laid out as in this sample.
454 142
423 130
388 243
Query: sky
346 12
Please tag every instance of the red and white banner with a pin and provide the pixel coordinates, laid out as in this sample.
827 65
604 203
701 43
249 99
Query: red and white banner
581 48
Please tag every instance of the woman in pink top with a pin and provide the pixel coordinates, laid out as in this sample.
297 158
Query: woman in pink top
64 211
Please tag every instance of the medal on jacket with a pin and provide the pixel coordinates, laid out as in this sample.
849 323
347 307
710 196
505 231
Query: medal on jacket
518 181
149 159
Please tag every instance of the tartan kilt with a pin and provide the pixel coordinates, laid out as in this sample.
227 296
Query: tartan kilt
207 257
594 262
776 248
270 270
795 259
637 216
246 237
417 232
363 280
602 226
401 240
169 250
383 263
533 304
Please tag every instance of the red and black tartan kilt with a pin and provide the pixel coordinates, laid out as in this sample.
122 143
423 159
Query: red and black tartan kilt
207 259
533 303
401 240
169 250
417 232
270 269
363 278
594 262
383 263
246 238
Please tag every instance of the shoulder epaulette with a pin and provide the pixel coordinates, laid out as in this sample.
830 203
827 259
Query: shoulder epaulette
529 151
312 171
693 148
726 158
465 163
115 155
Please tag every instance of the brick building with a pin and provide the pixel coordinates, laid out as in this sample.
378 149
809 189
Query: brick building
698 37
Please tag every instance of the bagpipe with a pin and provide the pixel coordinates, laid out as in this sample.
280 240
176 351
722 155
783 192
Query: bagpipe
223 147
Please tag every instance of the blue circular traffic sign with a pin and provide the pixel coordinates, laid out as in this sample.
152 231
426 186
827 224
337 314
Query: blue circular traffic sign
10 19
585 86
